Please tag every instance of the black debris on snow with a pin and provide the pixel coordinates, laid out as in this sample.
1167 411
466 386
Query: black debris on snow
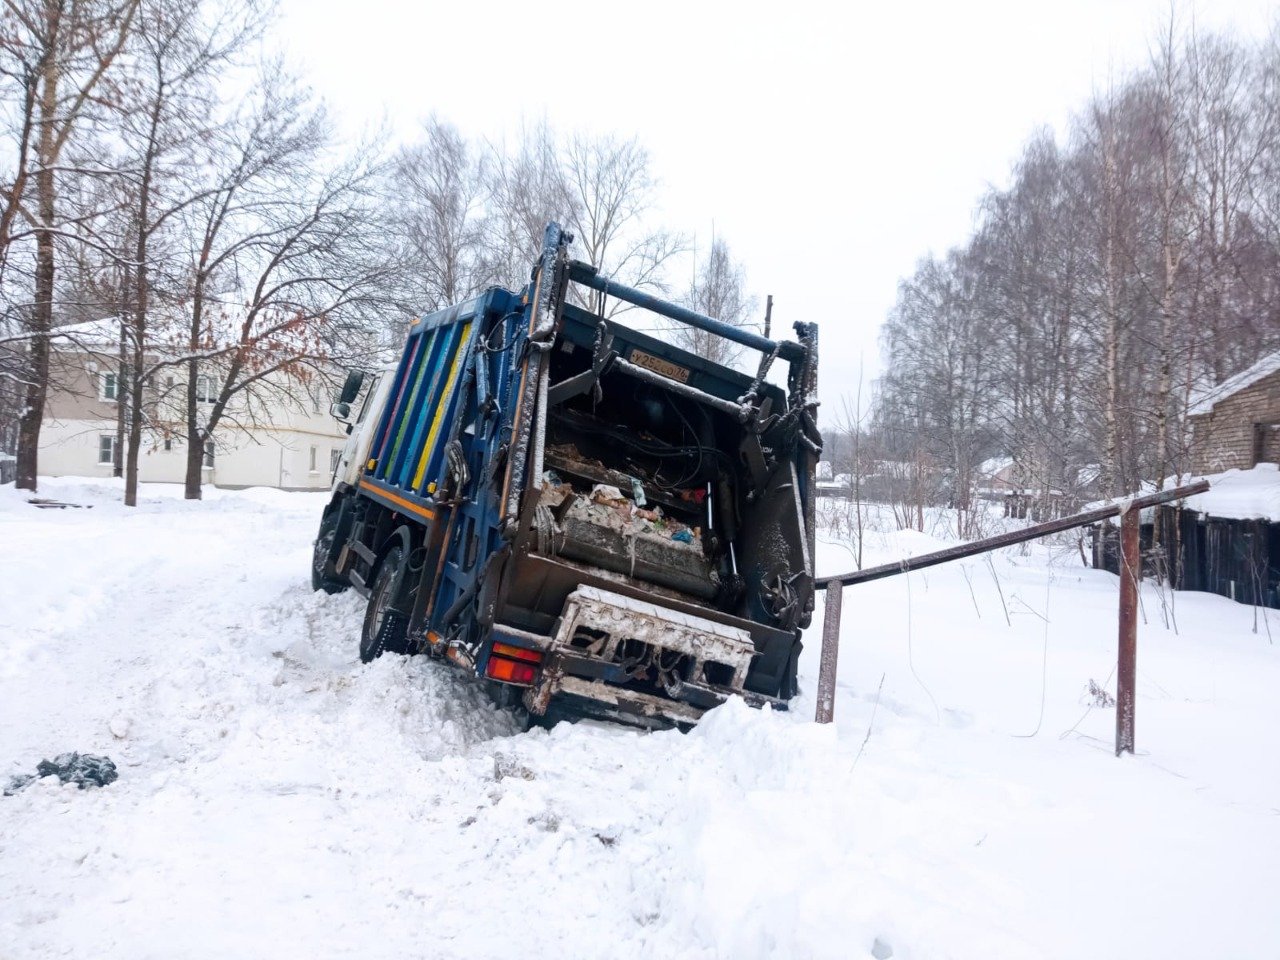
82 769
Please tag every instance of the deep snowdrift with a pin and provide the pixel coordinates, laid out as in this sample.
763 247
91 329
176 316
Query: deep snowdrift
278 798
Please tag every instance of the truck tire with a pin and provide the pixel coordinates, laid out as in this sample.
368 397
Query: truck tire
385 630
323 575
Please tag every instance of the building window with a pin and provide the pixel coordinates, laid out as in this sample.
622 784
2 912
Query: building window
168 443
314 452
208 454
107 448
335 456
108 387
206 389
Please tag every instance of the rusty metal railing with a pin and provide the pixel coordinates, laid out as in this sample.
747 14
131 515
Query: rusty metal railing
1126 673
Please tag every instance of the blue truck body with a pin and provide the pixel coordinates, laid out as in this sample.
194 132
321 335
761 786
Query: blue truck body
592 519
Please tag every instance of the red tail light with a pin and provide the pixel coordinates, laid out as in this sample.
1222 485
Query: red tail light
517 653
512 664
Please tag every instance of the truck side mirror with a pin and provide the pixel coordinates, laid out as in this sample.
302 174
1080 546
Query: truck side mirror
354 381
340 411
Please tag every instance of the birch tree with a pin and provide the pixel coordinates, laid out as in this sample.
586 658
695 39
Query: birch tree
439 195
527 189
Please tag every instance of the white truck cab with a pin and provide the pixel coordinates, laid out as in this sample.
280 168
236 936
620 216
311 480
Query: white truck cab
368 399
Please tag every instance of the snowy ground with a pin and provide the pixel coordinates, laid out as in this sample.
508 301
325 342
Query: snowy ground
277 798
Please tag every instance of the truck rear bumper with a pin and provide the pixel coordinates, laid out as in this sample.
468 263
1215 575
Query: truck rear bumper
595 699
638 662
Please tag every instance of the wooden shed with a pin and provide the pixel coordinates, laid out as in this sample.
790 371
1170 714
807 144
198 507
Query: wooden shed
1226 541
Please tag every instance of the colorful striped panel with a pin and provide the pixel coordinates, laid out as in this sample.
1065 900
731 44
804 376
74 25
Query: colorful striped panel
446 339
405 417
442 406
393 409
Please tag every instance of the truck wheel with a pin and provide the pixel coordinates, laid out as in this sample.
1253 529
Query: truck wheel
323 576
385 630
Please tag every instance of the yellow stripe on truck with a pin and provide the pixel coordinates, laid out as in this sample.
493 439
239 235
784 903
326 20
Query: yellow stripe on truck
434 432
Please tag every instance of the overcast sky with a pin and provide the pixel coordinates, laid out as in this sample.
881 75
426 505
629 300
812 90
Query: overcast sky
832 144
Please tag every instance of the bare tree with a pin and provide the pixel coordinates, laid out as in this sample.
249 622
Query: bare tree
261 154
1175 224
181 49
527 189
63 52
942 377
313 279
612 188
718 290
439 192
1122 270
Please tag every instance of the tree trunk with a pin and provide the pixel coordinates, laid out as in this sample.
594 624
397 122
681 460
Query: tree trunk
136 377
193 485
41 320
141 303
1111 462
195 434
137 383
122 365
195 438
1164 385
1111 307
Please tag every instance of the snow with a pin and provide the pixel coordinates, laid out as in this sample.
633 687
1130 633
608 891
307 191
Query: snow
276 797
989 468
1206 401
1252 494
1241 494
103 332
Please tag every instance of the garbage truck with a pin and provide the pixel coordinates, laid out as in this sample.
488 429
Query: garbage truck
596 522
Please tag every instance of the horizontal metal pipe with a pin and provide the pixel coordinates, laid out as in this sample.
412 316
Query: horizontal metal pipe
1013 537
585 274
735 410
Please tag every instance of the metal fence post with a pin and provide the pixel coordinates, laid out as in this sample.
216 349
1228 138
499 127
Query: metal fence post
830 648
1127 659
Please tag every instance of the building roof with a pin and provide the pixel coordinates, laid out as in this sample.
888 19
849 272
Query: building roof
1252 494
168 334
989 468
1210 398
104 332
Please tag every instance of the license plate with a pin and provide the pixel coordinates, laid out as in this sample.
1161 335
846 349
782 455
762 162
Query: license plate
666 368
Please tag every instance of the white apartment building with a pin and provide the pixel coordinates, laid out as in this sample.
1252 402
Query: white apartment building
289 443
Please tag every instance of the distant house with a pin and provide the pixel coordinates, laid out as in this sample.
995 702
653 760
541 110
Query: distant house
1004 480
838 487
1236 425
286 440
828 484
998 476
